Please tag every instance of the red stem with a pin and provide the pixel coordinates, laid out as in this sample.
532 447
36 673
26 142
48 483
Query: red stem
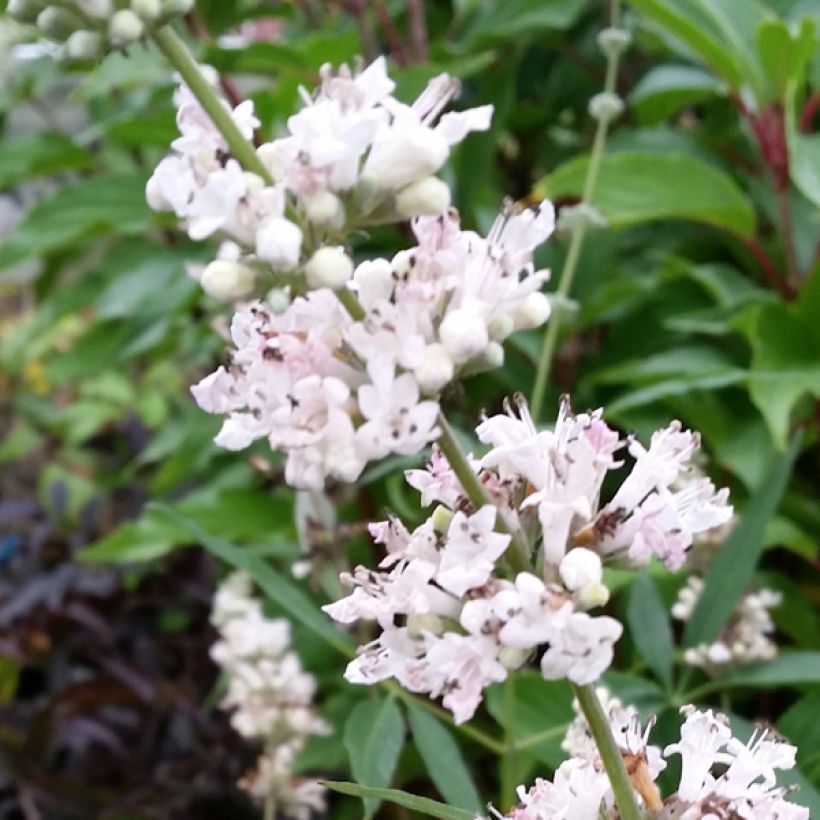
811 107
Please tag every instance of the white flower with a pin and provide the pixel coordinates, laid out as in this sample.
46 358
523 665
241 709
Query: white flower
228 281
329 267
463 334
579 568
470 551
279 242
581 647
396 421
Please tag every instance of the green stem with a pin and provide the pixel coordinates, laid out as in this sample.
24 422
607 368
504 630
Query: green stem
509 758
610 754
577 241
519 558
351 304
541 737
176 52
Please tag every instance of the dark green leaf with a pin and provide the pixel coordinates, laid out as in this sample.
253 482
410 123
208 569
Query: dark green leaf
649 627
665 89
36 155
734 564
787 669
423 805
443 759
374 737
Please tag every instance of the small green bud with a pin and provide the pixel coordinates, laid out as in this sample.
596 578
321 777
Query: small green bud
57 23
147 10
25 11
614 41
84 45
125 28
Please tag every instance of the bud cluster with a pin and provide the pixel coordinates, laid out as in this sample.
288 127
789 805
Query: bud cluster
88 29
455 611
269 694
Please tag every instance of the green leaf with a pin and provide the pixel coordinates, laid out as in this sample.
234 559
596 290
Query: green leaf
649 627
443 759
499 22
734 564
423 805
799 722
687 24
374 737
286 594
666 89
542 712
35 155
787 669
783 55
804 150
636 187
112 203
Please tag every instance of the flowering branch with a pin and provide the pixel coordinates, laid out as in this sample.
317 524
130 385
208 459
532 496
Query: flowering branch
605 107
610 753
176 52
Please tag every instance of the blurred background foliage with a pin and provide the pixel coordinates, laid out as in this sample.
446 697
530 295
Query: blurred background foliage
700 300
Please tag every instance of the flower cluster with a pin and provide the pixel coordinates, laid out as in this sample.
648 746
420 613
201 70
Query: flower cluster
269 694
721 776
745 638
459 603
87 29
336 391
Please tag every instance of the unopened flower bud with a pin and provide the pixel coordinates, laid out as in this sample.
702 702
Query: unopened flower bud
228 281
100 9
582 216
326 209
463 334
512 658
174 7
533 312
580 567
492 356
501 327
57 23
435 371
84 45
278 299
25 11
125 28
404 156
329 267
593 595
279 243
441 518
426 196
148 10
606 106
614 41
420 623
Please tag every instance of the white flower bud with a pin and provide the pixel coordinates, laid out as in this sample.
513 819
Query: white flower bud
125 28
719 653
592 596
228 281
404 155
501 327
441 518
148 10
512 658
278 299
584 216
493 356
418 624
606 106
25 11
463 334
427 196
533 312
580 567
329 267
270 156
326 209
253 182
373 280
173 7
86 45
279 243
435 371
614 41
57 23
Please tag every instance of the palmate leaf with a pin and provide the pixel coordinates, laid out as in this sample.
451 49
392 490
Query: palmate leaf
423 805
